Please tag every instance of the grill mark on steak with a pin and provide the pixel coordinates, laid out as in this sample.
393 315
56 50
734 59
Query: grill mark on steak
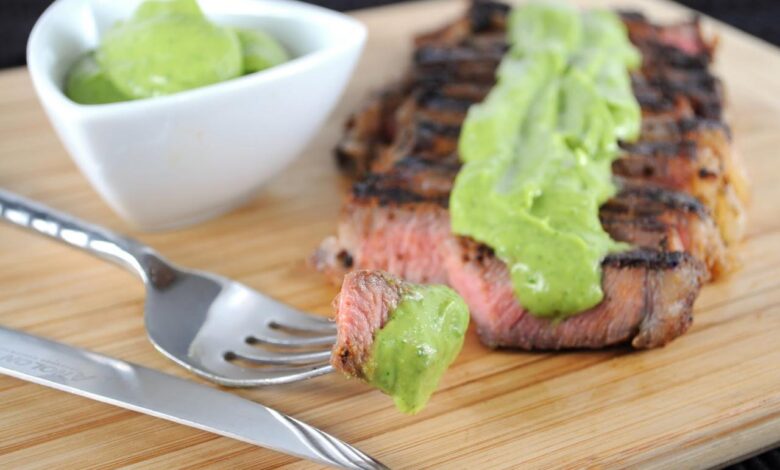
434 100
653 198
390 192
411 180
492 53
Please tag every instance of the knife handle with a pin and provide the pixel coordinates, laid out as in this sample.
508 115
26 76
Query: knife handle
91 238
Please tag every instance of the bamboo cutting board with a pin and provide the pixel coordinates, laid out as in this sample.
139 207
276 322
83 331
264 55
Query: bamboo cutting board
711 396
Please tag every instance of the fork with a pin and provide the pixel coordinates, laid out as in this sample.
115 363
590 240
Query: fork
216 328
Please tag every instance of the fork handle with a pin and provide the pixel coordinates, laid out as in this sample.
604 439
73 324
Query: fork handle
93 239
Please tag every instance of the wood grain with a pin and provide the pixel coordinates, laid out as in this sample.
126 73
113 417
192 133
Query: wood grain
711 396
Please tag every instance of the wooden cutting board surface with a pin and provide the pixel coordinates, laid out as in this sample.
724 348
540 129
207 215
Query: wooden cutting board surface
711 396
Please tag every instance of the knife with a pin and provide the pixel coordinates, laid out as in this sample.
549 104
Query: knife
154 393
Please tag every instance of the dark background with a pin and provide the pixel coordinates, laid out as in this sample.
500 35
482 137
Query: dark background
758 17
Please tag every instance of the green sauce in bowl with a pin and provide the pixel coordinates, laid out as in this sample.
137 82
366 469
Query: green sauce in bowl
166 47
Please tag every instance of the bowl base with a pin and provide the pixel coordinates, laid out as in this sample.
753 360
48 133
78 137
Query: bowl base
190 220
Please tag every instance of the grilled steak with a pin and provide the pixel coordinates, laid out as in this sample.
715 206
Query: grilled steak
362 308
392 223
680 201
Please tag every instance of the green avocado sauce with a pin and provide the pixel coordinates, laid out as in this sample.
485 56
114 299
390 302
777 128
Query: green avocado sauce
88 83
538 151
412 351
166 47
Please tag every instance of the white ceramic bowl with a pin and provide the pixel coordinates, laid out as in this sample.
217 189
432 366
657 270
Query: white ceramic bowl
175 160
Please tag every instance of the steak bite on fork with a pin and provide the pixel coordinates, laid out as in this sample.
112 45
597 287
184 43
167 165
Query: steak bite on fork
397 336
362 308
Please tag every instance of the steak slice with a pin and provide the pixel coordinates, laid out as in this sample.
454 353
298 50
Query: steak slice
483 17
681 44
367 130
685 166
720 162
397 221
648 294
680 165
654 218
406 240
648 300
362 308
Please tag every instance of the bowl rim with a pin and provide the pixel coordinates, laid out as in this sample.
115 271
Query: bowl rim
48 90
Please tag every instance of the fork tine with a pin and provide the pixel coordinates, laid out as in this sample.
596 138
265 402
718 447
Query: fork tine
294 320
280 338
260 356
237 376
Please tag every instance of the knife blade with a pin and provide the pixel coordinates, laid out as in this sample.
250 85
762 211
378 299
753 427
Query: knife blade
154 393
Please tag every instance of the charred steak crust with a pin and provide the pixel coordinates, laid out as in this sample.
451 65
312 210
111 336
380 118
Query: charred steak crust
680 198
670 199
393 190
649 259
